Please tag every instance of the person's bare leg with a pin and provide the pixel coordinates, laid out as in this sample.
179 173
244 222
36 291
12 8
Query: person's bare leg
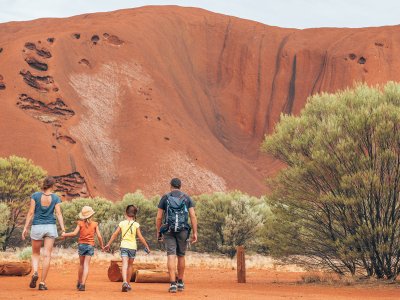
125 261
181 267
172 267
130 269
81 266
48 248
36 245
85 269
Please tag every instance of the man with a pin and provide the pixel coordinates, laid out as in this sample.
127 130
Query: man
176 207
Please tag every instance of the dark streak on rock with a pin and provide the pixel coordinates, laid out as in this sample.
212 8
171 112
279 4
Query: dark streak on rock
352 56
292 89
34 63
47 113
37 82
221 54
51 40
76 36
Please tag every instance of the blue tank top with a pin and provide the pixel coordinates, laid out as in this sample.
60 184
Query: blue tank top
44 214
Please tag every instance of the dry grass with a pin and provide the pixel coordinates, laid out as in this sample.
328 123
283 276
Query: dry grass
193 259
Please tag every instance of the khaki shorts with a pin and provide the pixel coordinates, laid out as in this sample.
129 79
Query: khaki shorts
176 242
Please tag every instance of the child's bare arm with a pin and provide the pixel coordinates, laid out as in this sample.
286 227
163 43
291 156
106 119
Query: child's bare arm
141 238
99 237
73 233
113 237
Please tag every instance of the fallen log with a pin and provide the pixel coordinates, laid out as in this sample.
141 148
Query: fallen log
15 268
152 276
115 270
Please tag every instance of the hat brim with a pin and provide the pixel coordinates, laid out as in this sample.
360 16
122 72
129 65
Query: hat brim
85 217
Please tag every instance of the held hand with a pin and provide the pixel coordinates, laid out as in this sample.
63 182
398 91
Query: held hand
24 232
194 238
106 248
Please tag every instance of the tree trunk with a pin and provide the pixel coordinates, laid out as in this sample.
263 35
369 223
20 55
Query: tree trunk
152 276
115 270
15 268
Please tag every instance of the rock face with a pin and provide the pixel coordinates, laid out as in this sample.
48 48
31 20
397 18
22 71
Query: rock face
114 102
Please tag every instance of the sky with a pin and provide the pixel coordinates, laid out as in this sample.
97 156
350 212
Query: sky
283 13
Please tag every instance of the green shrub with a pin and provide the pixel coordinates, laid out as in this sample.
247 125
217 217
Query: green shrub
337 202
19 178
4 217
25 253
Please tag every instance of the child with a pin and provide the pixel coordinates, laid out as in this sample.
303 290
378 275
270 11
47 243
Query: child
86 229
128 229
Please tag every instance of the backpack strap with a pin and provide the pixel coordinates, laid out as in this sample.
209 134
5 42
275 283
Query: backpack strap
130 227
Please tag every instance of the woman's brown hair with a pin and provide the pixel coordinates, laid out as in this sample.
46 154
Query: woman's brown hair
48 182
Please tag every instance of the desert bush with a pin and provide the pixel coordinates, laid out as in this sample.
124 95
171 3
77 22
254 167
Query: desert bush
242 226
25 254
337 200
227 220
4 217
107 228
19 178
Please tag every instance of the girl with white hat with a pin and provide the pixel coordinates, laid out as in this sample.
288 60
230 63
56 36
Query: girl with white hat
86 229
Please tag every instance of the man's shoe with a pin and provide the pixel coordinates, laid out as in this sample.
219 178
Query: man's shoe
173 288
81 288
129 287
180 285
34 279
125 287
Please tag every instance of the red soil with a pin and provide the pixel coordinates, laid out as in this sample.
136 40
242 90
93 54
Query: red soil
150 93
200 284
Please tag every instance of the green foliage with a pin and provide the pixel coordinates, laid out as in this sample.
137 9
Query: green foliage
227 220
25 254
104 209
19 178
4 217
241 225
107 228
337 201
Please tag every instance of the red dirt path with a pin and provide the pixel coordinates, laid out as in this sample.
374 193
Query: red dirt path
201 284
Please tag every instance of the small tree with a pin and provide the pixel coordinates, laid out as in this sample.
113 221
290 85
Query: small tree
338 199
4 218
241 226
19 178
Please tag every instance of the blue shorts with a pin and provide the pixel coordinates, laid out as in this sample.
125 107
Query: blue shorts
130 253
39 232
85 250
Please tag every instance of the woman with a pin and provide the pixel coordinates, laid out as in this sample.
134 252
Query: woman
43 228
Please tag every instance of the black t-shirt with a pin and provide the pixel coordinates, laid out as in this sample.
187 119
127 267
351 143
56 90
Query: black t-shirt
175 193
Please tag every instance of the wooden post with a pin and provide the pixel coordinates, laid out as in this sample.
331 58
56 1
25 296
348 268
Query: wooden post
241 265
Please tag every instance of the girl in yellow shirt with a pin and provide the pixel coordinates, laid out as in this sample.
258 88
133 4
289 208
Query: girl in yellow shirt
129 229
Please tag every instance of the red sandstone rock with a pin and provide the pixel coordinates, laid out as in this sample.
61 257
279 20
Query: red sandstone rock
173 92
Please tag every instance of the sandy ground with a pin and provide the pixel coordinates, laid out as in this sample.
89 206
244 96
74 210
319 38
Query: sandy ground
201 283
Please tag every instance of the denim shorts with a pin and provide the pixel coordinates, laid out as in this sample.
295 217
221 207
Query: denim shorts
85 250
39 232
130 253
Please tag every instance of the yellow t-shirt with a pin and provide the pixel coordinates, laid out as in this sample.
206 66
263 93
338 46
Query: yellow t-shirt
128 234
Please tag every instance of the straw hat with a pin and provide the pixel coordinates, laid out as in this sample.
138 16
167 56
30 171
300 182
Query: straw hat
86 213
